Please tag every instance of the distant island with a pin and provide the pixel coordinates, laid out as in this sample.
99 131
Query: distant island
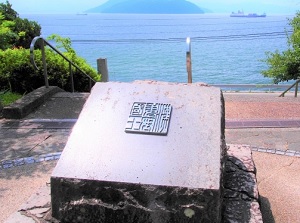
148 7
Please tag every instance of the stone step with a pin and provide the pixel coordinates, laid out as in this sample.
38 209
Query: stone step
29 102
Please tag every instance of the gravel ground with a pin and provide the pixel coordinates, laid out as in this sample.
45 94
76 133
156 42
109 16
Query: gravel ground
19 183
279 187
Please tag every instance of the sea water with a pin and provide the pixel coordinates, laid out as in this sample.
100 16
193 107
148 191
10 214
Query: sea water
224 50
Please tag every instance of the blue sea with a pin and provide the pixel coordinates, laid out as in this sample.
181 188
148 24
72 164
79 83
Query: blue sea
225 50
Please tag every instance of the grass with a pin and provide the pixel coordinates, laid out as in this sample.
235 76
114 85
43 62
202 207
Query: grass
8 97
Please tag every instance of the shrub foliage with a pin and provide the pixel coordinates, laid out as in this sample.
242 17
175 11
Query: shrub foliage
18 74
16 71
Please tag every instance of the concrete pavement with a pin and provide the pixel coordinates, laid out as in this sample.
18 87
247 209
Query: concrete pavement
30 147
279 139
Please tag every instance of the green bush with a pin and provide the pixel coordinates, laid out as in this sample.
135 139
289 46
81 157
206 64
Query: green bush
16 71
18 74
6 98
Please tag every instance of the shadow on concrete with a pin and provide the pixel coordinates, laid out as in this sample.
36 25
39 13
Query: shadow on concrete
18 143
29 170
62 105
2 191
266 210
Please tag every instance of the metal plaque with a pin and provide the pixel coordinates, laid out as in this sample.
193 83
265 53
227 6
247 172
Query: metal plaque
149 118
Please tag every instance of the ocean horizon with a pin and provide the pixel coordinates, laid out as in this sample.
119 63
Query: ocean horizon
225 50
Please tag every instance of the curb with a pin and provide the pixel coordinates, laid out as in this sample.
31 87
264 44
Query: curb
21 161
6 164
262 123
29 102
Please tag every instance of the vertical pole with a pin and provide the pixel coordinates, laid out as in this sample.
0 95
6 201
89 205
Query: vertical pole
90 84
296 89
102 69
71 76
189 59
44 64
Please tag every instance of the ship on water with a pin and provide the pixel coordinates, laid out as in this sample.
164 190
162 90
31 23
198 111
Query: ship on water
241 14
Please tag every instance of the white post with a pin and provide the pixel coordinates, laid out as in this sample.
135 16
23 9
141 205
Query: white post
102 69
189 59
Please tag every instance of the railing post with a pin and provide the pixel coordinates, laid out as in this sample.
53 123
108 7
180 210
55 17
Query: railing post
189 59
71 76
44 64
294 85
102 69
90 84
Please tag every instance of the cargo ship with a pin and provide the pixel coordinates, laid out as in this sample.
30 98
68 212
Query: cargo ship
241 14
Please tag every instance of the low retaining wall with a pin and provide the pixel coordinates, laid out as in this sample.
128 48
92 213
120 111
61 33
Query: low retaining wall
29 102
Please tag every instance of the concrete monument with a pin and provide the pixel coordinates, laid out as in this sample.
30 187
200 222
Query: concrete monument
143 152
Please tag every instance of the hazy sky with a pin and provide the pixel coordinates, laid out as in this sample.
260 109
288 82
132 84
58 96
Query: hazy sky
225 6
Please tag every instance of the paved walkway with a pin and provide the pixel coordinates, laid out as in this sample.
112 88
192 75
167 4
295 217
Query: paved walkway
266 122
278 161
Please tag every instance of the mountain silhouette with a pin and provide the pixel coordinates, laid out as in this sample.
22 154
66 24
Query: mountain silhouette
148 7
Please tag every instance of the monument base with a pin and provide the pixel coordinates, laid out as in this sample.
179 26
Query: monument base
239 206
90 201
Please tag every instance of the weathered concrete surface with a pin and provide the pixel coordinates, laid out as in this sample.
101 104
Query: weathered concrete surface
129 167
268 138
29 102
37 209
241 197
18 184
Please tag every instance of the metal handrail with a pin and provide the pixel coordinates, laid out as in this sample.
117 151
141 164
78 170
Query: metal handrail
32 45
293 85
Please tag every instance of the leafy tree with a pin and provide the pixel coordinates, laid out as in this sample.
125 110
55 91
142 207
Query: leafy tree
6 33
284 66
20 32
26 31
9 13
63 43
